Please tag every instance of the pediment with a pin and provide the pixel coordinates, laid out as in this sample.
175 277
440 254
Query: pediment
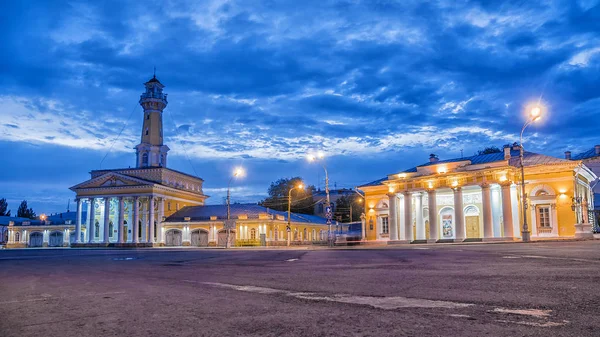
111 179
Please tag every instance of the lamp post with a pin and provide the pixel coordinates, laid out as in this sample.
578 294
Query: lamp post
534 115
320 156
237 173
289 221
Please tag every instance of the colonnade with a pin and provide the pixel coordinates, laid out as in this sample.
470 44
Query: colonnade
415 199
113 210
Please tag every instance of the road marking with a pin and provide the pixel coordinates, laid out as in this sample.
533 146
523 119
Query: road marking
291 260
536 324
526 312
387 303
422 248
45 297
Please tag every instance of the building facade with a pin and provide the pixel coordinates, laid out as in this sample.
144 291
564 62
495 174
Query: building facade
479 198
591 159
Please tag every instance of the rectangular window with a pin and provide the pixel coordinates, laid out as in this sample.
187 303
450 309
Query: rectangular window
385 227
544 216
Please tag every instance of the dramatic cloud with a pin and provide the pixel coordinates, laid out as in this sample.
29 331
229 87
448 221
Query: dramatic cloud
377 85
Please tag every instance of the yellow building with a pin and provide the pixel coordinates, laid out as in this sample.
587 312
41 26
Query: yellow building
479 198
133 206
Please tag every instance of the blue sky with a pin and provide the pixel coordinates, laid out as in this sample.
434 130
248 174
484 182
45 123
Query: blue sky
376 85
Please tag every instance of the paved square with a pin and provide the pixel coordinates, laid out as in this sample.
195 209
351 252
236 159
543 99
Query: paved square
539 289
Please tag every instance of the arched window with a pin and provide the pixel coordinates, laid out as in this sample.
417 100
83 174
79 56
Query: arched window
145 159
253 234
305 237
17 237
314 235
276 234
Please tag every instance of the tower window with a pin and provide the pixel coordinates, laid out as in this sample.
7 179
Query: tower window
146 131
148 116
145 159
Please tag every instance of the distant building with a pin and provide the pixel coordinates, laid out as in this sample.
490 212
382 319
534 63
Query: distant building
320 199
591 159
479 198
55 231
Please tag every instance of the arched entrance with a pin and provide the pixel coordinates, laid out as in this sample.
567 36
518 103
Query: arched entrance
36 239
56 239
222 237
447 222
472 222
200 238
173 237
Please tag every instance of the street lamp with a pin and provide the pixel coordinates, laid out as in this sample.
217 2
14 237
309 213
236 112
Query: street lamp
289 225
237 173
320 158
534 115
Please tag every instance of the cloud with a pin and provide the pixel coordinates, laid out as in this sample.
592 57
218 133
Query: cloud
261 81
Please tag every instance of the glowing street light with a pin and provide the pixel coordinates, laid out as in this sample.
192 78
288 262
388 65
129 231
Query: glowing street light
534 115
238 172
289 225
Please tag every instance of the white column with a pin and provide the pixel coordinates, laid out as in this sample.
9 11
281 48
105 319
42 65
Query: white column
392 223
78 222
106 220
419 216
151 220
408 227
145 220
66 236
532 212
496 210
91 223
507 211
161 215
136 220
121 231
459 214
488 222
363 224
433 216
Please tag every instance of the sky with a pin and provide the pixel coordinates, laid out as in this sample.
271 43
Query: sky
376 85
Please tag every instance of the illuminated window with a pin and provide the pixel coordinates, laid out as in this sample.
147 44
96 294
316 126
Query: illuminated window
544 216
305 234
17 237
253 234
385 227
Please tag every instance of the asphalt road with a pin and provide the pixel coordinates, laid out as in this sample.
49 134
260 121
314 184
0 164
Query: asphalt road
539 289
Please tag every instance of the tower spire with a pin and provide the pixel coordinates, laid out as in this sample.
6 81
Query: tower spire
151 152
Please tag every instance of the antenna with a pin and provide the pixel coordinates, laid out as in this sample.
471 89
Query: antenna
68 205
154 71
461 153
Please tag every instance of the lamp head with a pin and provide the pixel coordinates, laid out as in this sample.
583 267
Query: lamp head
239 172
300 186
311 158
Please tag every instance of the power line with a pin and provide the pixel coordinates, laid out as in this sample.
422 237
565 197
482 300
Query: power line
119 135
185 151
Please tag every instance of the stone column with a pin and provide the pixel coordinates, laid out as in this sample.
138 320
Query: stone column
91 226
488 221
363 224
419 216
106 220
151 220
507 217
459 215
392 222
144 220
121 231
408 227
161 215
78 222
433 217
136 220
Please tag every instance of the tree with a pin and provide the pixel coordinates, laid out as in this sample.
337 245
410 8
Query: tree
489 150
24 212
342 208
302 199
4 208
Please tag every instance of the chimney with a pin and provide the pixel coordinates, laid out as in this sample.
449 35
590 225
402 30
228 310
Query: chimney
597 148
433 158
568 155
506 152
